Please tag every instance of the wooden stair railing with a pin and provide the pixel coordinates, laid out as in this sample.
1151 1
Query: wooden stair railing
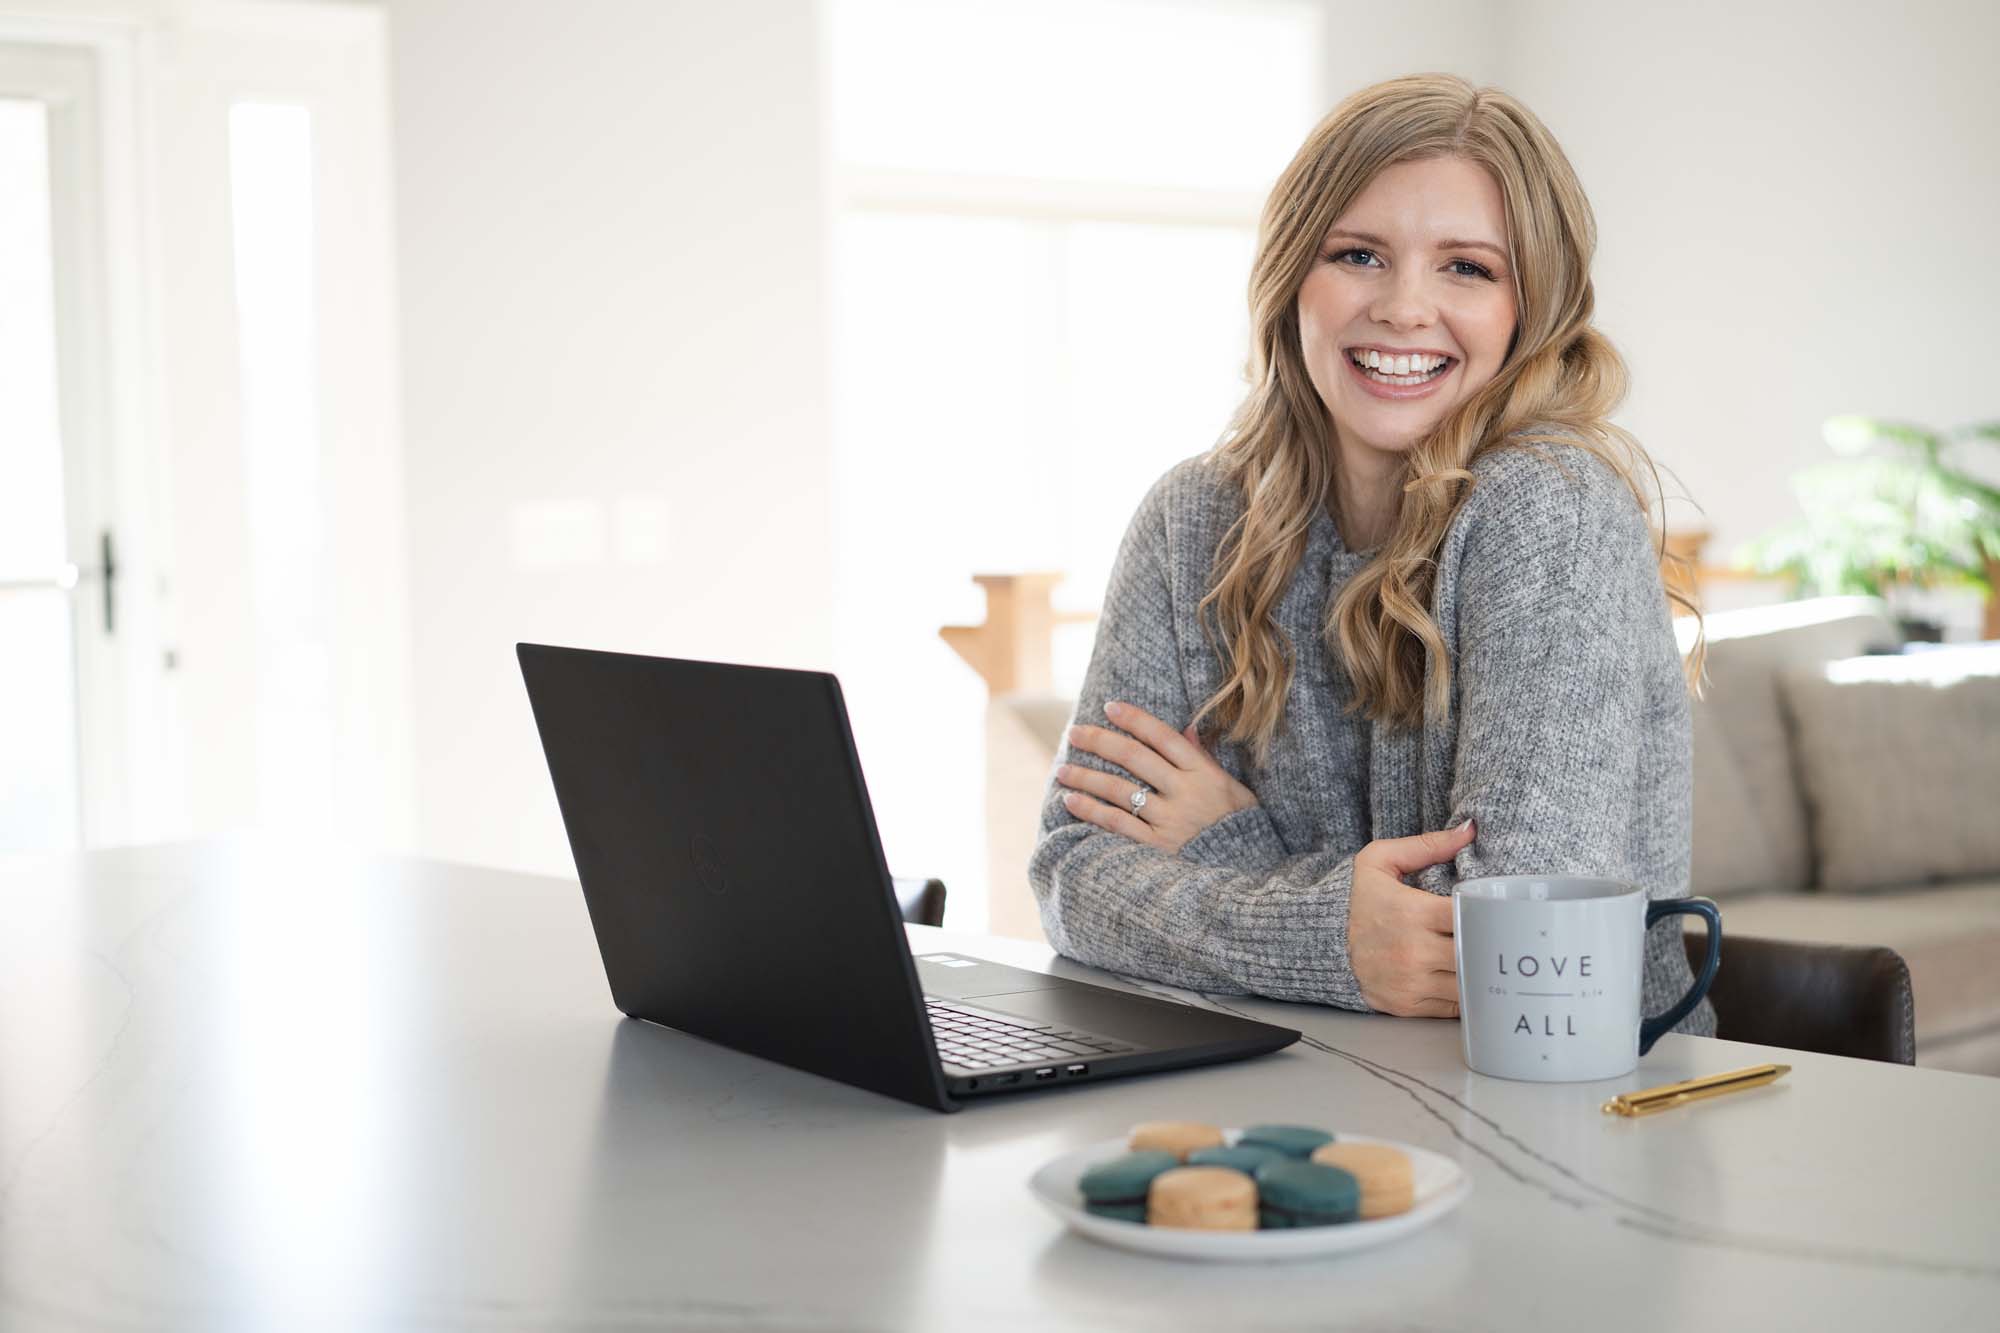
1689 544
1014 648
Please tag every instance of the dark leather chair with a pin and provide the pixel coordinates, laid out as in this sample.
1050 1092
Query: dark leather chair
922 900
1836 999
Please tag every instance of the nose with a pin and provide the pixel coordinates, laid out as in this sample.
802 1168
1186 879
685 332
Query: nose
1404 302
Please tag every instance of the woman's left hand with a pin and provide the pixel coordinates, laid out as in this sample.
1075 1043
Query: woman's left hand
1186 790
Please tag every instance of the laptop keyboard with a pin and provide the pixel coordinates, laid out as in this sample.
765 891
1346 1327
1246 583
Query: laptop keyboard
982 1039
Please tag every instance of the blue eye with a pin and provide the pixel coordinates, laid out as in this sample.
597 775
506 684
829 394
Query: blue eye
1478 270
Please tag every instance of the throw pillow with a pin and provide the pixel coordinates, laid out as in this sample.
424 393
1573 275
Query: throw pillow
1899 758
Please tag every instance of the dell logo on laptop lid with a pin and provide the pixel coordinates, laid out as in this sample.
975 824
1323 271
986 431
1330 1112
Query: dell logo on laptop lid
708 864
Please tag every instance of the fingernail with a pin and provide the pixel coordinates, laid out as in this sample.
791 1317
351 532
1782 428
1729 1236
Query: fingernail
1113 710
1463 824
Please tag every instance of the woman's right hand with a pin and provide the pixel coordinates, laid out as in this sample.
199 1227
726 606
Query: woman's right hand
1399 939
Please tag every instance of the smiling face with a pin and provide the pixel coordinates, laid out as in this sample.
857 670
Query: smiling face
1402 273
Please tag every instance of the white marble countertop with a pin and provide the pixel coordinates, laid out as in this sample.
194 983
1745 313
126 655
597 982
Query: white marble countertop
251 1086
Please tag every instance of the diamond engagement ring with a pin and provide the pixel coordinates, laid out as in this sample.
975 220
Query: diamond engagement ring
1138 800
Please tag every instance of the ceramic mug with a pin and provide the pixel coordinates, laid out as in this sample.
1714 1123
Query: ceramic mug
1550 973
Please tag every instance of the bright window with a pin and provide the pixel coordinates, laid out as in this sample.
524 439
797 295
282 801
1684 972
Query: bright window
1041 258
271 195
1157 92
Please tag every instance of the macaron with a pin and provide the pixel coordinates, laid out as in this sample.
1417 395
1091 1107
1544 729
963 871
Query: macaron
1203 1198
1292 1193
1117 1188
1179 1137
1291 1140
1387 1180
1239 1158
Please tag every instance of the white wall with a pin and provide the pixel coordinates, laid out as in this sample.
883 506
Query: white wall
1796 206
1428 37
612 278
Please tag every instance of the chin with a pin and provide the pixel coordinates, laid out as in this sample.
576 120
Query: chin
1404 438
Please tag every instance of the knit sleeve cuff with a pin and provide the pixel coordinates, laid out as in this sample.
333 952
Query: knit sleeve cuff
1244 840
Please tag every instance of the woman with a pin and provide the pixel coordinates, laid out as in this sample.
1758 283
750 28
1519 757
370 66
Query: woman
1411 601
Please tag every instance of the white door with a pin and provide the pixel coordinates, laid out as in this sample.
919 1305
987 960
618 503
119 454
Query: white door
59 605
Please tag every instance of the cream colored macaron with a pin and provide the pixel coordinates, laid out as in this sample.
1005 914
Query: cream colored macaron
1388 1184
1202 1198
1179 1137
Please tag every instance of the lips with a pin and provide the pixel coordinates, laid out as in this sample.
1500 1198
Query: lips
1398 392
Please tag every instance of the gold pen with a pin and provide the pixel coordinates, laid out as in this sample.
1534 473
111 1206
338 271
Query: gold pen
1673 1094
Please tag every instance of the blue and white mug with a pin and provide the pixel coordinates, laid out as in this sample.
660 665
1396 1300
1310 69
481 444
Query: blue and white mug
1551 969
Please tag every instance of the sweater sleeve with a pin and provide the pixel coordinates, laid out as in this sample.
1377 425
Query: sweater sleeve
1573 740
1232 912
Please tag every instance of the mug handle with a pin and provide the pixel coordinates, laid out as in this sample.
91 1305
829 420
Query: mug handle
1652 1029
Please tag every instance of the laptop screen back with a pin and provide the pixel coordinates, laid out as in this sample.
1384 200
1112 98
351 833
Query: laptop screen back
729 859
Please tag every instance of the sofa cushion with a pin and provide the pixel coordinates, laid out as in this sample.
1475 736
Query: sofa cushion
1900 758
1750 829
1734 851
1949 935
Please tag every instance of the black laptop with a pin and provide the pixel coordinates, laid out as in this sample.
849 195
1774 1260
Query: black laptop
737 887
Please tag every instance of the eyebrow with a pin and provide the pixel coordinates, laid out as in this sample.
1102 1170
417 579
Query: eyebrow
1442 245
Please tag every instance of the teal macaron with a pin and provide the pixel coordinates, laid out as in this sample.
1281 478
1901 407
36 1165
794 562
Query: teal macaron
1243 1157
1291 1140
1292 1193
1117 1188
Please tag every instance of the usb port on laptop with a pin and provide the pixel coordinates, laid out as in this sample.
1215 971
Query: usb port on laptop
1045 1073
1074 1070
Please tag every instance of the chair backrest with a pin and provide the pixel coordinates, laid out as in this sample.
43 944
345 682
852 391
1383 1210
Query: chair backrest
921 900
1836 999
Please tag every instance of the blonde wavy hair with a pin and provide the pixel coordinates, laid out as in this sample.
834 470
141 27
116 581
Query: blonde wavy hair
1558 382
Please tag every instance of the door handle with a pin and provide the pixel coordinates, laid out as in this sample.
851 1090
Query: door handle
68 576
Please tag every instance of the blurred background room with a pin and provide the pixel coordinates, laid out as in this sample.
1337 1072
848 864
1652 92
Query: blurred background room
345 345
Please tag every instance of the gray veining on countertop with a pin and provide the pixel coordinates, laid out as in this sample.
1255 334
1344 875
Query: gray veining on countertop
1628 1212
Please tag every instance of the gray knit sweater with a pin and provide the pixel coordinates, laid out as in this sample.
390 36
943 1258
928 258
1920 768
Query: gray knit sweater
1568 739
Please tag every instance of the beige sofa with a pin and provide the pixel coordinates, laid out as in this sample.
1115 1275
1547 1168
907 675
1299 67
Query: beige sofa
1783 806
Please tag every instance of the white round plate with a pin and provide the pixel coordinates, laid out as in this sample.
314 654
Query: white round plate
1441 1186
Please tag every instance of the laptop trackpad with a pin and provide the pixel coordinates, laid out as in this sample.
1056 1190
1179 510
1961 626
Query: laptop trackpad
952 976
1132 1018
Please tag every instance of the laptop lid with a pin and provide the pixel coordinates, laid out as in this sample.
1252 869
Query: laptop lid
729 859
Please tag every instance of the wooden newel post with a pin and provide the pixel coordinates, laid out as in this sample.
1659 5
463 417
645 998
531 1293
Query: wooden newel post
1991 628
1014 648
1684 579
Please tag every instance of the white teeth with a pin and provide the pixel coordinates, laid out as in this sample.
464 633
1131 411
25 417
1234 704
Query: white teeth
1400 370
1399 365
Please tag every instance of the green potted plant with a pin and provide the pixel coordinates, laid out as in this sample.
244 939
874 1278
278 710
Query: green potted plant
1896 511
